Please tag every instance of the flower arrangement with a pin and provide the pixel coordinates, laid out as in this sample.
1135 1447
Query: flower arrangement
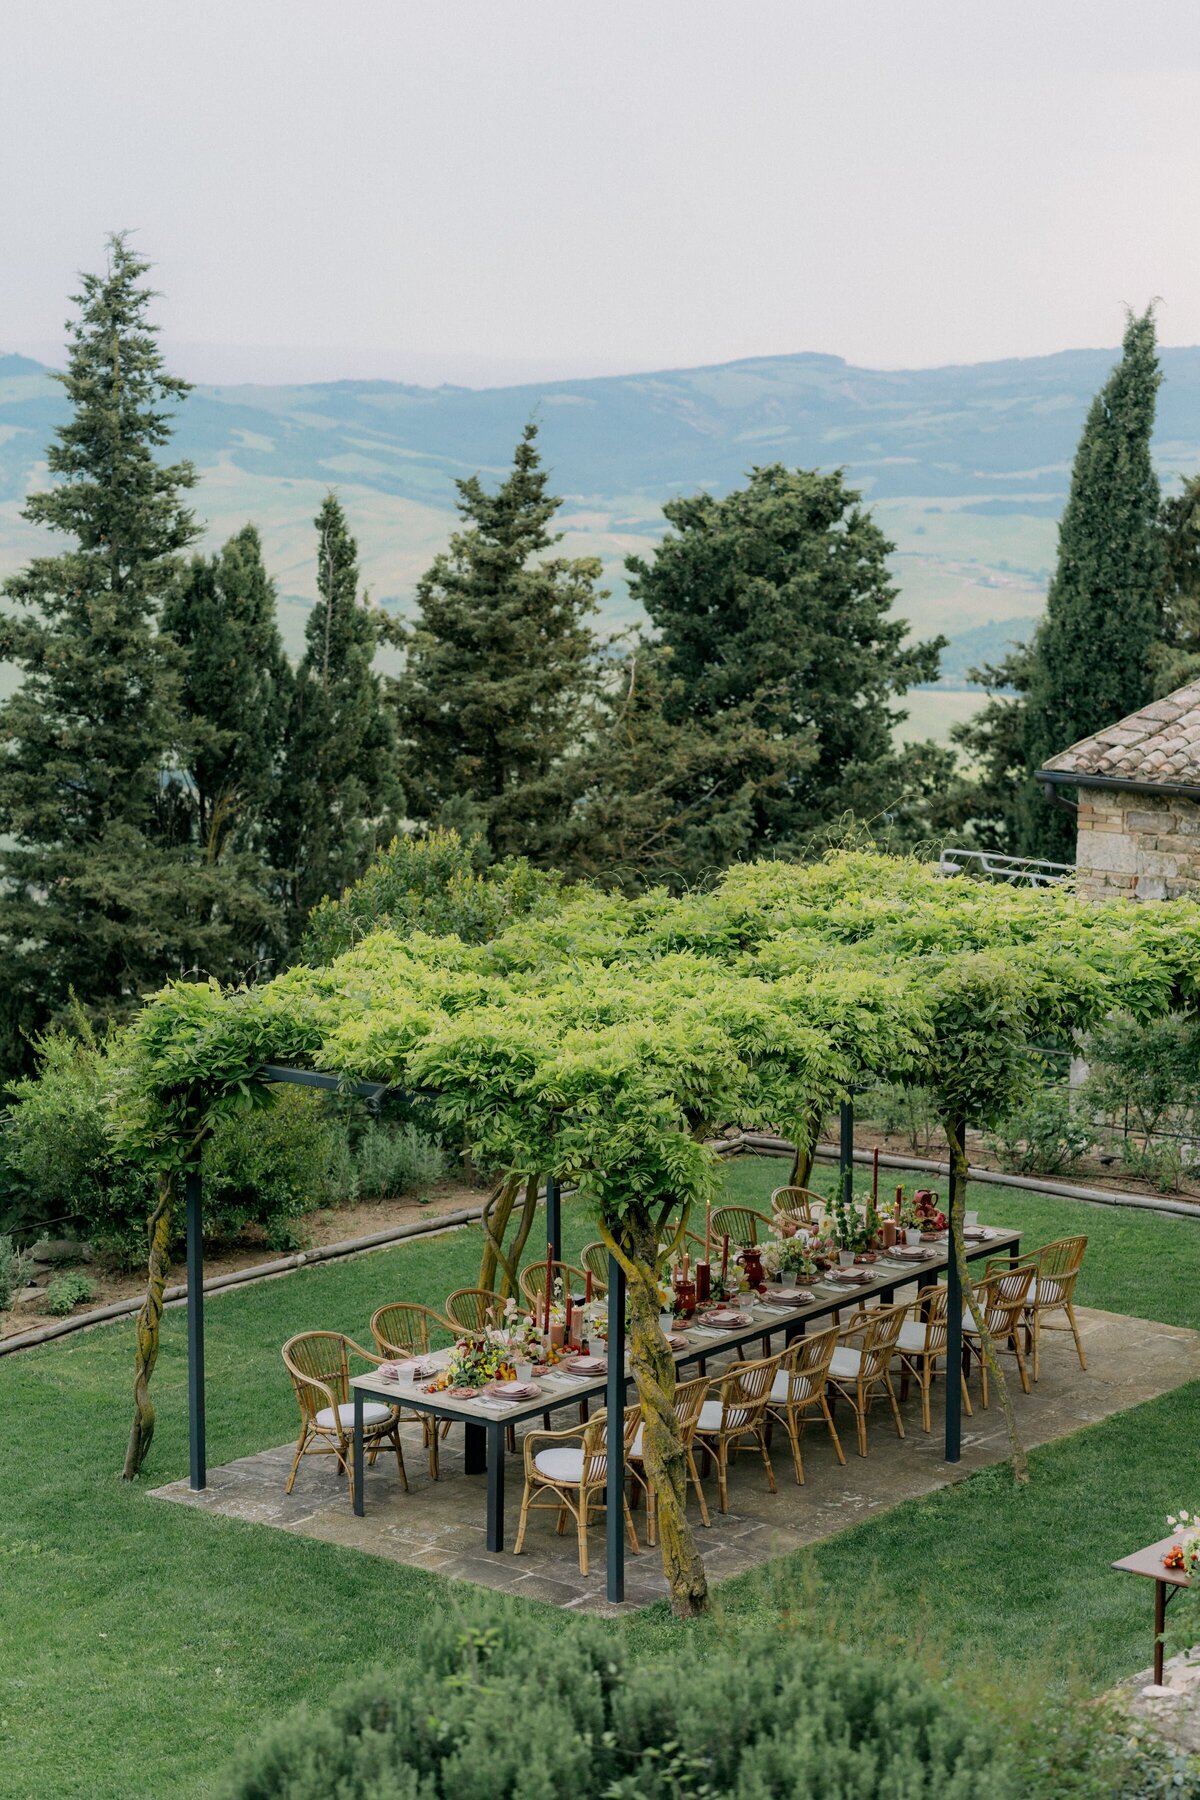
476 1360
518 1332
823 1250
787 1255
852 1229
1185 1554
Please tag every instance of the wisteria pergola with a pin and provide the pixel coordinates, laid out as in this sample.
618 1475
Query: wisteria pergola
603 1044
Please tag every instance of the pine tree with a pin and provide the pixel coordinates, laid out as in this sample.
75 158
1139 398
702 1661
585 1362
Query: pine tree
778 597
1175 656
339 791
236 687
500 668
99 900
663 797
1091 661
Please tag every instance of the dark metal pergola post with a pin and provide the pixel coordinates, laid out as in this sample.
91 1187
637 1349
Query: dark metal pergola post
615 1495
554 1218
197 1459
846 1152
954 1312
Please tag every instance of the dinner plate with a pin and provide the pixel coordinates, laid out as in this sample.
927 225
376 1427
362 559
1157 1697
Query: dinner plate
588 1365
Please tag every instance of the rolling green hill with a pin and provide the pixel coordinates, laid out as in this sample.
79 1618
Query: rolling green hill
966 467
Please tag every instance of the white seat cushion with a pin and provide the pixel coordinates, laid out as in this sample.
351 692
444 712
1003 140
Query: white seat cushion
801 1388
846 1363
374 1413
1048 1291
563 1462
710 1417
912 1338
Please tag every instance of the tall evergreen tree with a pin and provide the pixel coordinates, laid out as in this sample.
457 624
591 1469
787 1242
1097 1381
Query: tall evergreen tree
778 598
1175 657
339 792
236 686
500 669
1092 653
98 900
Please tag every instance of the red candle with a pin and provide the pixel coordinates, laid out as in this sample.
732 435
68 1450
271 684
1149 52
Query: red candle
708 1231
588 1290
875 1174
724 1256
567 1326
549 1280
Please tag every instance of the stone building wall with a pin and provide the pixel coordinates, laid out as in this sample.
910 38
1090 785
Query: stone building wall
1137 846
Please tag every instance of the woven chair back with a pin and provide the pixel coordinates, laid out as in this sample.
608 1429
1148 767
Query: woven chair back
594 1257
532 1280
1062 1260
319 1366
746 1391
796 1203
879 1340
807 1364
1003 1299
470 1309
401 1326
595 1443
738 1223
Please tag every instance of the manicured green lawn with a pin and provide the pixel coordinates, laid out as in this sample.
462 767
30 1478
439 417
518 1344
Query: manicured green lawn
140 1641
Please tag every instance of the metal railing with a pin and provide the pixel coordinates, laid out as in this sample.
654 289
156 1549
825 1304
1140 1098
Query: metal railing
1020 871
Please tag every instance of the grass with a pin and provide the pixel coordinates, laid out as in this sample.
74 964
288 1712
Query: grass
140 1641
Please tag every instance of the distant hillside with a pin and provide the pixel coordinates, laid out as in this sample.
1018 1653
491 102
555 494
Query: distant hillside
965 467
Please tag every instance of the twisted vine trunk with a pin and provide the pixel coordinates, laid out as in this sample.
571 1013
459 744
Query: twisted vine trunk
496 1216
955 1135
637 1250
149 1321
802 1162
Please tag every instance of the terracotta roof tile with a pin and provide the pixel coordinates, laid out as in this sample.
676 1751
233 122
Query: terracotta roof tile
1161 742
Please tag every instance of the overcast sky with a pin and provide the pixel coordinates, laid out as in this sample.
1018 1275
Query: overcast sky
441 190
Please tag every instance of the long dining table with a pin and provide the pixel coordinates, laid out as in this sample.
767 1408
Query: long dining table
485 1419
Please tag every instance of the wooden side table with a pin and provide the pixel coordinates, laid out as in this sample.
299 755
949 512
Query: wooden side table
1166 1581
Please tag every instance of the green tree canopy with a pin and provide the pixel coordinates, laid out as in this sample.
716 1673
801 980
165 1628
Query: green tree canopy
101 898
236 687
778 598
338 795
1091 660
499 680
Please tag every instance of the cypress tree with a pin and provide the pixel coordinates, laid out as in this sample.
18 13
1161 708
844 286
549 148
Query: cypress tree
236 686
339 792
96 900
500 669
1091 662
778 598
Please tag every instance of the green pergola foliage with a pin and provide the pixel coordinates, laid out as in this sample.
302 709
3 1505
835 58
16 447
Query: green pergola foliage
605 1039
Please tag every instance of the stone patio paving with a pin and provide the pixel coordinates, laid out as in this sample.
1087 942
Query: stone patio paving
440 1526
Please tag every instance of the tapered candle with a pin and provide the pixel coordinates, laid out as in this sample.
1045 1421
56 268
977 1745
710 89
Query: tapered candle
588 1290
724 1256
875 1175
549 1281
567 1325
708 1231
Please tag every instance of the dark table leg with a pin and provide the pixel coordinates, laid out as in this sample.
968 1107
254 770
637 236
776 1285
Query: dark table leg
1160 1625
358 1453
475 1457
495 1488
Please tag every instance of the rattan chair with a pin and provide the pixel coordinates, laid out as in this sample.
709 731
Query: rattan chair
594 1258
739 1224
532 1280
470 1309
1004 1299
861 1364
800 1388
796 1204
922 1344
568 1470
689 1399
319 1365
402 1330
1056 1269
738 1411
